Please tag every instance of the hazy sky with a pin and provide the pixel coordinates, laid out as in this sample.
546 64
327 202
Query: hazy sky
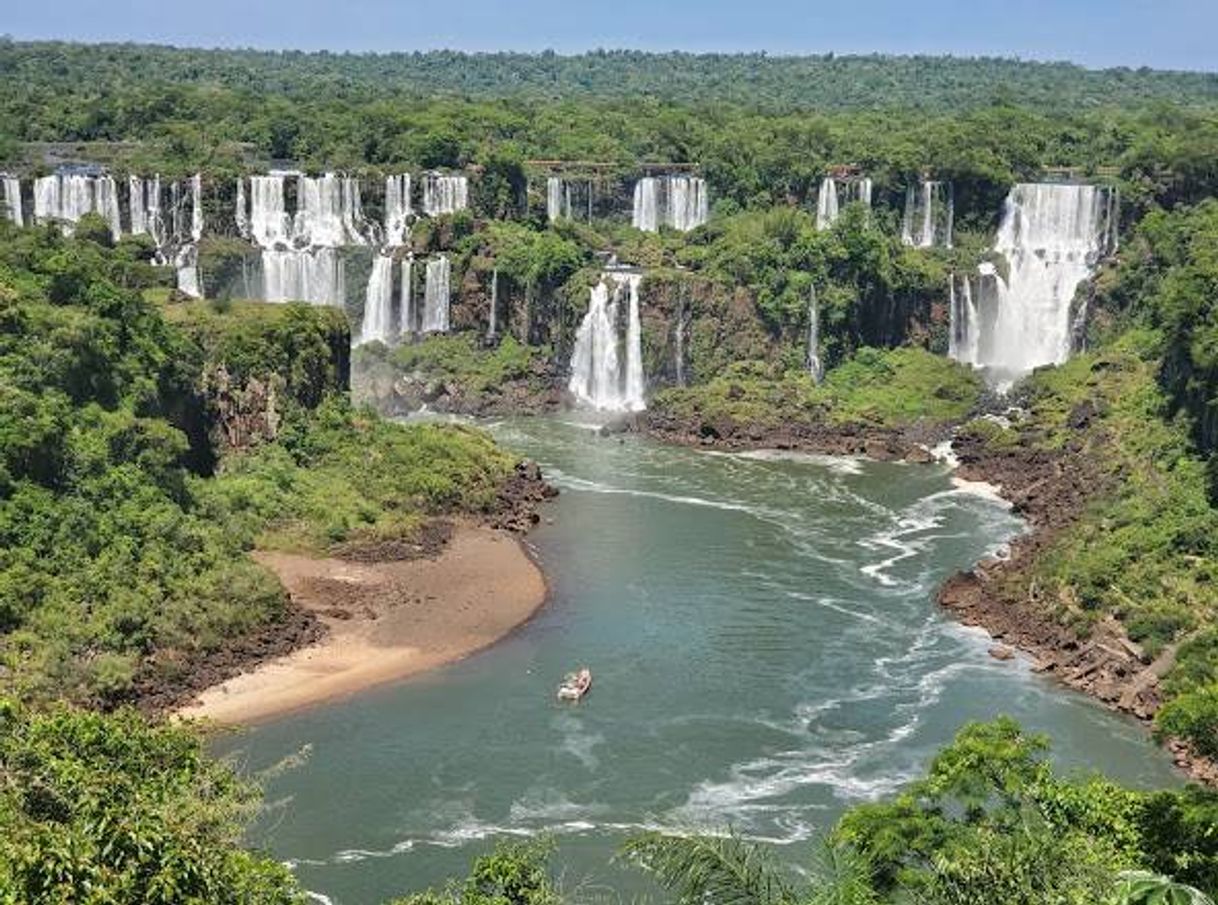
1180 34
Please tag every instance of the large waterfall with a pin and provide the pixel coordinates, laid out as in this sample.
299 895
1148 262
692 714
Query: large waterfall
599 376
10 199
681 202
444 194
378 303
435 296
930 213
66 197
397 209
1051 238
829 199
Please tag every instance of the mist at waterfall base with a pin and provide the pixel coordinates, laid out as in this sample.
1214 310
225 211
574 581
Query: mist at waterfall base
766 653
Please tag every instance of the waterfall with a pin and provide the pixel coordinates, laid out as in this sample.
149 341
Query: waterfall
598 378
444 194
646 204
268 221
435 296
814 363
930 211
144 208
865 189
554 199
409 320
196 207
186 262
397 209
681 202
242 217
965 323
493 322
1051 236
826 203
378 302
10 199
328 211
314 275
65 198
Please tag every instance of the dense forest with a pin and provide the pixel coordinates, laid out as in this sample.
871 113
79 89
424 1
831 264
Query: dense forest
148 442
758 81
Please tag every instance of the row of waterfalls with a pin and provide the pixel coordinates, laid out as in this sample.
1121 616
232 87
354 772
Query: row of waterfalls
170 213
681 202
1018 311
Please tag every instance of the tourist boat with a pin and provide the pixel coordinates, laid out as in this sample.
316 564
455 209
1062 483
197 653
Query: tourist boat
575 685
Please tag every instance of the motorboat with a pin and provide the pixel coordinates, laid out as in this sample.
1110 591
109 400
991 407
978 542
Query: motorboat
575 685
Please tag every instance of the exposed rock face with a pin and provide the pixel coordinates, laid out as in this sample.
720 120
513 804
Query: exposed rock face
911 443
241 415
515 508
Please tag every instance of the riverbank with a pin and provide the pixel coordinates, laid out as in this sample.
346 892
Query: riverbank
383 621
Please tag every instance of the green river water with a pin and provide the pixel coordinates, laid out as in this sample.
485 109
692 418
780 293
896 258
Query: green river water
766 652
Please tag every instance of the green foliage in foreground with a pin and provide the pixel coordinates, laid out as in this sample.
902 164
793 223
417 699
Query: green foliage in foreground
110 810
890 389
990 822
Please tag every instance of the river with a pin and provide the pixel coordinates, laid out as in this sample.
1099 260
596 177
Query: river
766 653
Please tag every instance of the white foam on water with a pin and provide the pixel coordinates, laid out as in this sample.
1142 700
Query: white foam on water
983 489
841 465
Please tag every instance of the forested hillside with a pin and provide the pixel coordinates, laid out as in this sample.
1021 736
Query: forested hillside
758 81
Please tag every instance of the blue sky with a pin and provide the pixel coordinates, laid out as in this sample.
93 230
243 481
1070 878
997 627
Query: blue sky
1181 34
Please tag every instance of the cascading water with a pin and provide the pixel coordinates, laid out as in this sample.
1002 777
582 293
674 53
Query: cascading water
826 204
378 302
556 195
242 216
444 194
196 207
144 208
681 202
962 341
1051 237
930 212
328 212
66 197
10 199
646 204
176 241
833 193
306 275
300 260
397 209
688 202
436 296
815 367
409 320
599 378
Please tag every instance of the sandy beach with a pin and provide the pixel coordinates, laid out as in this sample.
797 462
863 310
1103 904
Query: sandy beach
385 621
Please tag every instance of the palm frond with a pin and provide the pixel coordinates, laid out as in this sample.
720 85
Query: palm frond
842 876
710 870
